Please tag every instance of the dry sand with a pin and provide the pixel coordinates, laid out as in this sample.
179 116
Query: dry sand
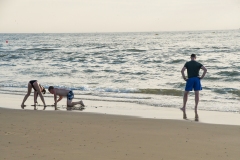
29 134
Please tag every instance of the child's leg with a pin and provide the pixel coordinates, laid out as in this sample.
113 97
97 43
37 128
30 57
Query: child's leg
27 95
37 87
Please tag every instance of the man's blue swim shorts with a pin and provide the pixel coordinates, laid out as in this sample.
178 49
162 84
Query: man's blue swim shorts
70 95
193 83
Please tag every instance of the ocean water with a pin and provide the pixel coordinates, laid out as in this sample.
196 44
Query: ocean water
142 68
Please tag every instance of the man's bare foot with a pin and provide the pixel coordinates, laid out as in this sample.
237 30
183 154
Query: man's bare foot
196 118
81 103
22 106
184 116
69 108
81 109
184 113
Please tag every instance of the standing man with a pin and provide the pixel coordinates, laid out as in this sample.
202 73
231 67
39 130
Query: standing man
63 93
193 82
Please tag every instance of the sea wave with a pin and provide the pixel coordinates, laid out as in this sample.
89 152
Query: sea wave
227 91
135 50
172 92
229 73
182 61
153 91
37 49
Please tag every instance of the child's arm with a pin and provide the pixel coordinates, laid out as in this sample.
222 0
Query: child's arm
60 98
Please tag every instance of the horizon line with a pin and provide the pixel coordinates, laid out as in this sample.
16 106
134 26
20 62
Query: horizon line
117 31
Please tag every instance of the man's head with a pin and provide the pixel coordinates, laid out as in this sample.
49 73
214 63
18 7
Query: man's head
50 89
193 56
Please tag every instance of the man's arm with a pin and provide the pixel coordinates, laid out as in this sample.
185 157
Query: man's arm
55 101
60 98
204 72
183 75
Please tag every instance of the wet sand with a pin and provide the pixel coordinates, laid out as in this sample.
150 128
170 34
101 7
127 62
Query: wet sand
123 108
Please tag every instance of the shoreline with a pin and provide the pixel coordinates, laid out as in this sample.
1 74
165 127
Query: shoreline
129 109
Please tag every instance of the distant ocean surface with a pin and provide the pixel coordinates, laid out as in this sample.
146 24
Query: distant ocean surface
142 68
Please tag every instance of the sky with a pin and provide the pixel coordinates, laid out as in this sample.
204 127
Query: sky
81 16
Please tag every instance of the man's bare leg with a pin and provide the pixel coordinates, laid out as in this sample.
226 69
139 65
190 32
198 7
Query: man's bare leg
71 104
196 104
80 102
185 98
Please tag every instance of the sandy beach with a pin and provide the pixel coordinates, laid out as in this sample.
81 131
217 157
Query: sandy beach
29 134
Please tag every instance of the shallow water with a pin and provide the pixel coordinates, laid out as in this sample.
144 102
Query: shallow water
141 68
